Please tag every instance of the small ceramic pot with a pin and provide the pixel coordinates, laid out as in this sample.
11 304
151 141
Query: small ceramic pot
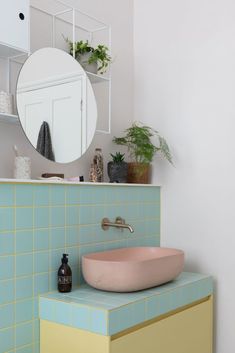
117 172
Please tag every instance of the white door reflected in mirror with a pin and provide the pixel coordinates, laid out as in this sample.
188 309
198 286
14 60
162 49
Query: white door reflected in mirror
56 105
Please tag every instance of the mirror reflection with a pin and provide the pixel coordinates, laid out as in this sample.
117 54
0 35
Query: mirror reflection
56 105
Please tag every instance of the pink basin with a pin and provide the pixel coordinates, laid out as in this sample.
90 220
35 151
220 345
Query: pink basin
132 269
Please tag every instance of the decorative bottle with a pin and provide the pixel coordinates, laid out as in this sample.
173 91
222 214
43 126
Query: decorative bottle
98 163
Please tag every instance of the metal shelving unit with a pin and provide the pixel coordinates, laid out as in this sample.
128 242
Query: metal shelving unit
79 25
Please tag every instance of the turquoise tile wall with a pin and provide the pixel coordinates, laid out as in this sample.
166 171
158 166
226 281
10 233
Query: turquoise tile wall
40 222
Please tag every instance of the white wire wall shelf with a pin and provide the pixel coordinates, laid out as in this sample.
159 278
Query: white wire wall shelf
64 21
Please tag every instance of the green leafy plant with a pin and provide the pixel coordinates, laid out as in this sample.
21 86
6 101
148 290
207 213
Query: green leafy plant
118 157
138 139
99 55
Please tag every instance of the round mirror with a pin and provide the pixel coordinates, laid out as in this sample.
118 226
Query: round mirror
56 105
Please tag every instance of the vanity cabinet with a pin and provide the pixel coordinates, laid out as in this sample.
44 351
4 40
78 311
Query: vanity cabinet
14 28
186 330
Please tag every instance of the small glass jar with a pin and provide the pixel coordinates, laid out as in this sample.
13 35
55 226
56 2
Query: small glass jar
22 168
98 162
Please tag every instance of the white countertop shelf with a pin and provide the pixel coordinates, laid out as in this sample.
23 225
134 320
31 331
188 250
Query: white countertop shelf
40 181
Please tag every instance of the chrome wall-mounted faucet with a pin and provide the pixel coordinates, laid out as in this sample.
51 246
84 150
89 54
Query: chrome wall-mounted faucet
119 223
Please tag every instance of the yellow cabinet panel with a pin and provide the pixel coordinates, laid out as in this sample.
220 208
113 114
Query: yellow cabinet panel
188 331
55 338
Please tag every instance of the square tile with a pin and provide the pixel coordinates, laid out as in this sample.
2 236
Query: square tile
8 264
80 317
138 312
24 287
125 317
7 243
57 238
7 219
114 325
72 215
152 307
72 236
47 309
41 239
24 241
7 195
99 321
72 195
41 262
24 195
86 195
57 195
24 218
24 265
7 291
58 216
7 340
62 314
41 283
41 195
24 311
24 334
73 253
41 217
6 315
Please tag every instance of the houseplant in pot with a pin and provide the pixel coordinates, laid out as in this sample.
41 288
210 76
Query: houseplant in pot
138 140
117 169
94 60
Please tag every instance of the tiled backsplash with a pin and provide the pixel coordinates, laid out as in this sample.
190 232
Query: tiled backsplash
40 222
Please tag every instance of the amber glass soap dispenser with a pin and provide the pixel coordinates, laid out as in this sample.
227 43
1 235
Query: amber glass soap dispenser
64 276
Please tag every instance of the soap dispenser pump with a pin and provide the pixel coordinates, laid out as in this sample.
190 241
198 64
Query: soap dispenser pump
64 276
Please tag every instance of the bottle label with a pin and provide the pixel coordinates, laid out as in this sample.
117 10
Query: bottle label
64 279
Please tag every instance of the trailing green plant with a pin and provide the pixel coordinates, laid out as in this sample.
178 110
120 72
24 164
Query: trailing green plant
138 139
99 55
118 157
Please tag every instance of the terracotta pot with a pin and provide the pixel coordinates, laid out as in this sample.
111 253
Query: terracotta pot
138 173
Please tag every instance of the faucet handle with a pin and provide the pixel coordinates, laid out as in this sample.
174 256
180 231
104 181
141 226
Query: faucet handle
120 220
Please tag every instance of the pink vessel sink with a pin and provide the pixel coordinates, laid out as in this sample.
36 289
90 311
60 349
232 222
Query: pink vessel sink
132 269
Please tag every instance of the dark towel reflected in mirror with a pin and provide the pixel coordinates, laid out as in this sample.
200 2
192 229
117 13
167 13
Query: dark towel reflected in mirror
44 143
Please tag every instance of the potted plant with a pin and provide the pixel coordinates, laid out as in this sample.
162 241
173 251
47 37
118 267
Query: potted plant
94 60
138 139
117 169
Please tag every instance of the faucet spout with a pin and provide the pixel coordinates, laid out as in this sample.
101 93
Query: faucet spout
119 223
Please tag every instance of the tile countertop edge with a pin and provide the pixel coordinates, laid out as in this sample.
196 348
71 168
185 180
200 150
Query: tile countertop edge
59 182
106 321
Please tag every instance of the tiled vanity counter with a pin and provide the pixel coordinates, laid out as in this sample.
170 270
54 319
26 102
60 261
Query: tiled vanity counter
92 321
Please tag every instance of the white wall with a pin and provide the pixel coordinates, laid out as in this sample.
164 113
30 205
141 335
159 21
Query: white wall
119 14
185 87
